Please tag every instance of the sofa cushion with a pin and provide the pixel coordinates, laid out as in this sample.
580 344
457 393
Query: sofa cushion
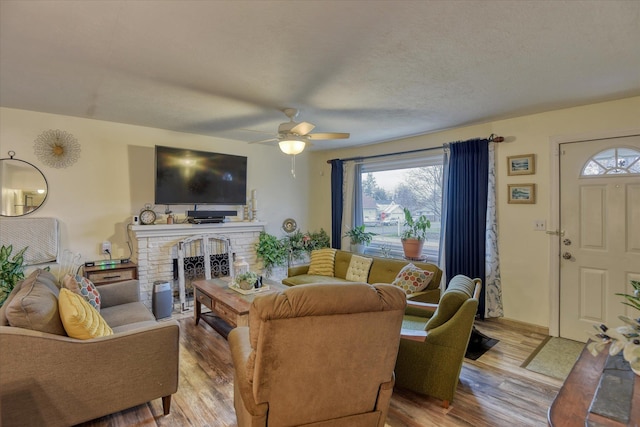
80 319
125 314
34 304
304 279
322 261
412 279
83 286
358 270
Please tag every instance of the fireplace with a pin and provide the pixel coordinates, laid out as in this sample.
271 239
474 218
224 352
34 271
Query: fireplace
156 247
201 257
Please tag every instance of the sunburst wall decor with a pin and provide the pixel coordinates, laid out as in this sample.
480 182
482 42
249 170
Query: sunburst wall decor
57 148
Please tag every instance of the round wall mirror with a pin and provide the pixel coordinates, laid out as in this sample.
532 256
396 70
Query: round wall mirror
24 187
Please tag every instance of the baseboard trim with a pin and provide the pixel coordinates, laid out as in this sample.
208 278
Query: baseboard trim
543 330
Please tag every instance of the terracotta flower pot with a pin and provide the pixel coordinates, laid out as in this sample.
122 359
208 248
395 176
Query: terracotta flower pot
412 248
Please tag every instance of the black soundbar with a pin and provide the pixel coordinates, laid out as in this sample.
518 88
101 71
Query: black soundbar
210 214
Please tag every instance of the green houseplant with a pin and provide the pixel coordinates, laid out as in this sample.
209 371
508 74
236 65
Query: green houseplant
359 238
276 252
246 280
414 234
12 270
271 251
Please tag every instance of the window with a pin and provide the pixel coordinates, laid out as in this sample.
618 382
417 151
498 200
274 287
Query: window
614 161
388 186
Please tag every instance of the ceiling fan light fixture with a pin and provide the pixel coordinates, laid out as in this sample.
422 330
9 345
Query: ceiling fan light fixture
292 146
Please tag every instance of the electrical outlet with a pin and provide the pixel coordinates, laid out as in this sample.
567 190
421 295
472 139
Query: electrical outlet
106 247
540 225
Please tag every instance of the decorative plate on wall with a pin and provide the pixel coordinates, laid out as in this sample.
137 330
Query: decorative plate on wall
289 225
57 148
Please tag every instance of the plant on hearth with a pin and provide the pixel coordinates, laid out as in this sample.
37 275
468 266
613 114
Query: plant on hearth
271 251
623 338
11 270
295 246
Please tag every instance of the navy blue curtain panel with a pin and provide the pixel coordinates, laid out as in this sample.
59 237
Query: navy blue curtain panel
336 203
465 227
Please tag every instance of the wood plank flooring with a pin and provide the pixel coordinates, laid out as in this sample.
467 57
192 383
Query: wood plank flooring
493 391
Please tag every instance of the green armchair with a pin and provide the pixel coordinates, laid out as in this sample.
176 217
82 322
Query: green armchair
435 338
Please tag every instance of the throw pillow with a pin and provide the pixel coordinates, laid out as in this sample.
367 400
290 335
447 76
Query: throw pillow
80 319
358 270
33 304
412 279
322 261
83 286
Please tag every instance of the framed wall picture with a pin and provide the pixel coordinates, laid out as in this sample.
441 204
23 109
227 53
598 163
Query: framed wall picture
524 164
522 193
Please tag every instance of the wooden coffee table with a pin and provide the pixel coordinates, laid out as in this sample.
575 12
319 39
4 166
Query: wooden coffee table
225 303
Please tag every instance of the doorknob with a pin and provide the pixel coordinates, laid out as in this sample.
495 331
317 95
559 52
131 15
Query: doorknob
567 255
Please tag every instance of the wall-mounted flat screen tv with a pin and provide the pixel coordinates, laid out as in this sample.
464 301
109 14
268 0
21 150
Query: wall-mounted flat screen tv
186 177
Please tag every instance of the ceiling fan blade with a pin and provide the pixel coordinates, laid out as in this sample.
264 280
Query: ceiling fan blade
302 128
328 135
262 141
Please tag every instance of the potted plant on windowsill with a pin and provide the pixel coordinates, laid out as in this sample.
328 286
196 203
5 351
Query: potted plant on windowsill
414 234
359 238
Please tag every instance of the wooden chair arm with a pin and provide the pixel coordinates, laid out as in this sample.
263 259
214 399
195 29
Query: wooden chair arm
413 335
426 306
476 291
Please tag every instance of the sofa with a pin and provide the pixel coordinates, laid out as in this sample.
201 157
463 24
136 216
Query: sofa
381 270
50 379
318 355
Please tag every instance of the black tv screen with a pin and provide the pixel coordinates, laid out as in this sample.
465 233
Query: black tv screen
198 177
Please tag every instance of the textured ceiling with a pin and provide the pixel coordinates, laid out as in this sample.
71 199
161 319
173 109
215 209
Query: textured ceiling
379 70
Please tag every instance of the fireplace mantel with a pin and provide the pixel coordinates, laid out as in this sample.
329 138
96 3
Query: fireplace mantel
155 247
168 230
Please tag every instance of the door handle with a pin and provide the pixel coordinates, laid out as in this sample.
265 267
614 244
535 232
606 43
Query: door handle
567 255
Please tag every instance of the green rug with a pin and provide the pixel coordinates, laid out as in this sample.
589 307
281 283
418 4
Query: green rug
554 357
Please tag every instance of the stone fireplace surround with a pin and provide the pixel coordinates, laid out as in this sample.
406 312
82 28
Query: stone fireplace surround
156 247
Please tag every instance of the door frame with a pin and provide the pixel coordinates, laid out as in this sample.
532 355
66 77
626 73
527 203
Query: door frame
553 227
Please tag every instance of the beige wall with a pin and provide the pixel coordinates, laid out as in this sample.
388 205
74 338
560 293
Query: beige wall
524 253
95 198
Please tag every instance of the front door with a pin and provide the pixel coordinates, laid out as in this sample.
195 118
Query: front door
600 218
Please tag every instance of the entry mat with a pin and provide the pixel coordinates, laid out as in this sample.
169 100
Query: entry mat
554 357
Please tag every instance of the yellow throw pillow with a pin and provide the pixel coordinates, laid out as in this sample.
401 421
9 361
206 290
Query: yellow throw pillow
358 270
322 261
80 319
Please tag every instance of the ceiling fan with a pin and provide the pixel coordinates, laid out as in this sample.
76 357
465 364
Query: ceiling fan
293 136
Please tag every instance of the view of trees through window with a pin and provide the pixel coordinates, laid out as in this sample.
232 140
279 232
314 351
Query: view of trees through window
386 194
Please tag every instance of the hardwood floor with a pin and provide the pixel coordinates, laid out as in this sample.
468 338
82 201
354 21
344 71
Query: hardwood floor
493 391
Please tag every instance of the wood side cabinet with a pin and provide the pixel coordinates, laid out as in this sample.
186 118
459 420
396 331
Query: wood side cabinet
104 274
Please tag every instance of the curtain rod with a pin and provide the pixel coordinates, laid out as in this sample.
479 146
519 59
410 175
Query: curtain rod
492 138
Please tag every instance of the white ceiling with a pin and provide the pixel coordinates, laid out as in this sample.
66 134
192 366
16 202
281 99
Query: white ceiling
380 70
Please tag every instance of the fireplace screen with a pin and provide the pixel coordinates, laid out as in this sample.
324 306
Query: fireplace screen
191 264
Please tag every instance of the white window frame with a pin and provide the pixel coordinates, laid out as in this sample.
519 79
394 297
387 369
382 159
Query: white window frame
402 161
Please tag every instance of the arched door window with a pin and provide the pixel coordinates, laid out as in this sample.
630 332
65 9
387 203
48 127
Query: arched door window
613 161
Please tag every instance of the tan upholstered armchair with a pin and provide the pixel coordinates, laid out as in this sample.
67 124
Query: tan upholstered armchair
318 354
435 339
